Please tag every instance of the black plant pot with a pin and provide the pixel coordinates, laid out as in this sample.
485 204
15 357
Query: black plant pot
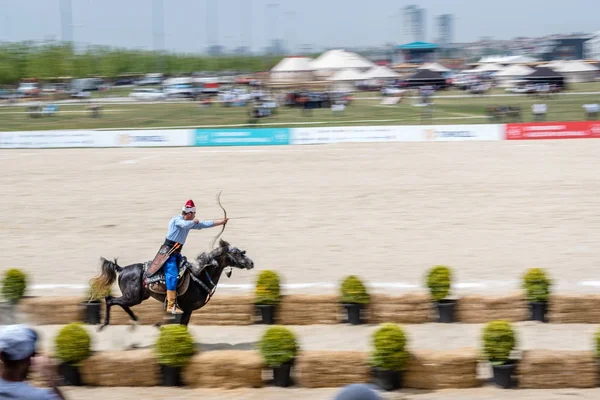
70 374
446 311
354 313
282 375
92 312
170 376
267 313
386 379
538 310
504 374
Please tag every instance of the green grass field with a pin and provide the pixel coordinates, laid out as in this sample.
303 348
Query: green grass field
362 111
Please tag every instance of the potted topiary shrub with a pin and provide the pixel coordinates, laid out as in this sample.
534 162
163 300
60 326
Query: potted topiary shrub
498 343
93 304
267 296
279 348
438 281
174 348
389 356
537 287
73 345
14 285
354 297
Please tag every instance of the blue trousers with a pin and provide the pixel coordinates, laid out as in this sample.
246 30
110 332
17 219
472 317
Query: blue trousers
171 271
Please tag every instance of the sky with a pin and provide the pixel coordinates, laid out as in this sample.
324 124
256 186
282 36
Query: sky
319 23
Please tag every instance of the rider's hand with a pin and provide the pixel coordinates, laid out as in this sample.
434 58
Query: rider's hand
225 220
196 220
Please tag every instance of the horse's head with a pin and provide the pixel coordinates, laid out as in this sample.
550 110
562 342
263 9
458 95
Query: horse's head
235 257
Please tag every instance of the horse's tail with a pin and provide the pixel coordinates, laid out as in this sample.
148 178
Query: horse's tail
103 282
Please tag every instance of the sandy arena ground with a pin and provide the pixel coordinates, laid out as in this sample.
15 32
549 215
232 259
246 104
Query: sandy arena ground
441 337
386 212
485 393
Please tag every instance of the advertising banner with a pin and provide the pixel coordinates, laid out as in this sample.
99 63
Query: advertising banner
243 137
146 138
72 139
46 139
351 134
553 130
449 133
409 133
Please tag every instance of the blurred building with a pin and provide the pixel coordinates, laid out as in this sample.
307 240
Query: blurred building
418 52
445 24
414 23
564 49
592 47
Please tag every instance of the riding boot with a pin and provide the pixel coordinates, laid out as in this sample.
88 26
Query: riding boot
171 302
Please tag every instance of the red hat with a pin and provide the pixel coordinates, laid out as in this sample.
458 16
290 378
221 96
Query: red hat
189 206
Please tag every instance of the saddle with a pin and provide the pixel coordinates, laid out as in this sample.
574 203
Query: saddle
157 283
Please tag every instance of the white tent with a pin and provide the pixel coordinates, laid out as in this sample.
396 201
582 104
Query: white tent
488 68
332 61
506 60
292 69
507 76
380 72
347 75
434 67
575 70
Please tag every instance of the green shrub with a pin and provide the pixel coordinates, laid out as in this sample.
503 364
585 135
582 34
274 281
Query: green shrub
353 291
268 288
278 346
597 336
389 342
537 285
174 346
95 294
73 344
498 341
14 285
438 281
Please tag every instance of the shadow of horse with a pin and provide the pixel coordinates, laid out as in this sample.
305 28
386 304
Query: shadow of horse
204 347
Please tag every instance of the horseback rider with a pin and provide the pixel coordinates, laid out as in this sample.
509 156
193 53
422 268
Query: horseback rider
179 227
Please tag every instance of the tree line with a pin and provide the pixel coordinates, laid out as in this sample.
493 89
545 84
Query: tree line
54 59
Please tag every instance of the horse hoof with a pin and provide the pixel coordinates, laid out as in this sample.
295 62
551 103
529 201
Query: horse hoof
133 326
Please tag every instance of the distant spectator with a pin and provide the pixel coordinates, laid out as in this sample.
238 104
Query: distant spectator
17 352
357 392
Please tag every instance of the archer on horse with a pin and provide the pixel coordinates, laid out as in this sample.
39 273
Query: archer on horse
197 281
169 253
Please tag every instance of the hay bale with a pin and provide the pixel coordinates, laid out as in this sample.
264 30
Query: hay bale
308 310
482 309
51 310
226 309
121 369
549 369
410 308
435 370
247 300
225 369
221 319
583 309
318 369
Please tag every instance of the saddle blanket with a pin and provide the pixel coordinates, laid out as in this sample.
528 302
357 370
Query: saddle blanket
160 275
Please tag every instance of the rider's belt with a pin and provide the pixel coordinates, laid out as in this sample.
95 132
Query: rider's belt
171 244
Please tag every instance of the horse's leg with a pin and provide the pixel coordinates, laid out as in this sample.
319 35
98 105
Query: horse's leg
122 301
185 318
